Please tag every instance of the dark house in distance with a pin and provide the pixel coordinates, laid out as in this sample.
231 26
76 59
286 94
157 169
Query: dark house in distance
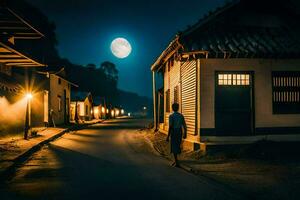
235 74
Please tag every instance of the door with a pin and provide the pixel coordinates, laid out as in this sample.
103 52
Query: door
234 104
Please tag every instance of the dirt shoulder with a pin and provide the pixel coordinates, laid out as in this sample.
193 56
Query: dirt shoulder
264 170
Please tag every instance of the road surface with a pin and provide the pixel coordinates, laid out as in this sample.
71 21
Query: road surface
106 161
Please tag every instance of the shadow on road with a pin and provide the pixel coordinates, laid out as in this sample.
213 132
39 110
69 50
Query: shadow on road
66 174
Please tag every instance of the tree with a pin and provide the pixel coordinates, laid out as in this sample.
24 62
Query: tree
110 70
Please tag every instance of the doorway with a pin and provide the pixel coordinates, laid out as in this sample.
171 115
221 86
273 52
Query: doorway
234 103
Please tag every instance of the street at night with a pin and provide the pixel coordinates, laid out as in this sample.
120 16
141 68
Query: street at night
106 161
150 99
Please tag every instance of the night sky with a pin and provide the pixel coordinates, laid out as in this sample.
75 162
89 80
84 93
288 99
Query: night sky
85 30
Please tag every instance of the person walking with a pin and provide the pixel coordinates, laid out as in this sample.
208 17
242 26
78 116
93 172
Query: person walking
177 131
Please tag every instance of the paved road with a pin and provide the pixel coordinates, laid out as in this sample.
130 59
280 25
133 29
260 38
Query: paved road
106 161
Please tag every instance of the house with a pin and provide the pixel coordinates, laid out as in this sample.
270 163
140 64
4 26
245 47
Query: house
59 97
99 107
81 105
235 75
12 93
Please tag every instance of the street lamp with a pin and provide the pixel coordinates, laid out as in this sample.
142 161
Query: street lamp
27 130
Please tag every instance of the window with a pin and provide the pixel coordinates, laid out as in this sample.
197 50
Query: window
59 103
176 94
286 92
233 79
168 100
59 81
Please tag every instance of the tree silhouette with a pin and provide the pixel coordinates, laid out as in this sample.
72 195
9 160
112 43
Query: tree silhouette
110 70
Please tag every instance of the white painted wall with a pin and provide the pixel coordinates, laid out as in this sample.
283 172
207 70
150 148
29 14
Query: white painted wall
262 69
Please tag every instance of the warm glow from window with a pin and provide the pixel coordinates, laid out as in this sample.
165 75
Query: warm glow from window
233 79
103 110
81 108
122 111
96 110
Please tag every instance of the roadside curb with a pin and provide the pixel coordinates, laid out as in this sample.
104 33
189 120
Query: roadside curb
10 170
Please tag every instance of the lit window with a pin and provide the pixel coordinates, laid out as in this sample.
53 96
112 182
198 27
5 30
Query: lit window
233 79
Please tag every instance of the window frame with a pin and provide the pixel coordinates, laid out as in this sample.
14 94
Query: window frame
285 92
242 79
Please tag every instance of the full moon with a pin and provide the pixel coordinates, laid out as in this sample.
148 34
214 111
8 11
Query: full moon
120 47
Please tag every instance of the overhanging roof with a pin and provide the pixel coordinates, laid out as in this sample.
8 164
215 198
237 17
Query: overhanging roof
12 25
167 53
11 57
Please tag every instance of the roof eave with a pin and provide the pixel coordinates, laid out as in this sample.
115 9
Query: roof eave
167 53
12 57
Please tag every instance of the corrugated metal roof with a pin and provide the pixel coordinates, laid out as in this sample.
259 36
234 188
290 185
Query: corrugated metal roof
12 57
11 25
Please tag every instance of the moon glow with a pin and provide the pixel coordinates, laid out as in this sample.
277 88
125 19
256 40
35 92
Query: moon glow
120 47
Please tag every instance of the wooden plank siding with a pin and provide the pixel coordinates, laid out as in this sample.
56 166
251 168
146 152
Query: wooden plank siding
166 88
174 82
188 94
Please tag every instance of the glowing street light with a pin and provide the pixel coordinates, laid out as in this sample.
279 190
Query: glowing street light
122 112
28 96
27 129
103 110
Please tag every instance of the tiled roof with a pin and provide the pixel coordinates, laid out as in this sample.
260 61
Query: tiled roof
241 29
245 29
244 42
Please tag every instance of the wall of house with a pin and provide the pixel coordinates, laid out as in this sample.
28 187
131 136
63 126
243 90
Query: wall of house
38 109
166 88
56 91
183 76
262 69
88 115
171 80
